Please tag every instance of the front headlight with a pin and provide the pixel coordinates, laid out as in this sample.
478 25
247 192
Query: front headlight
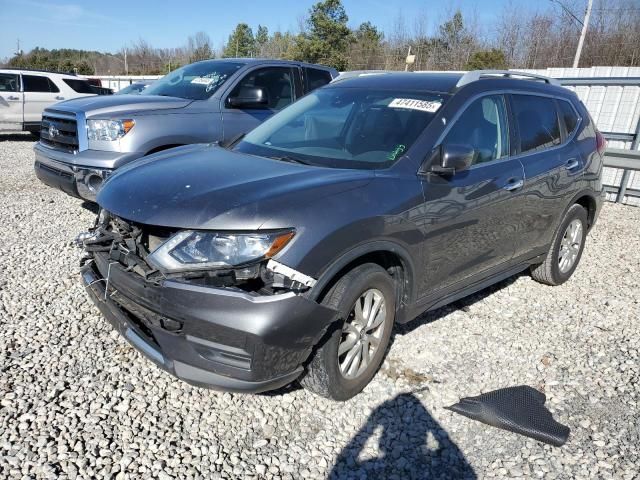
109 130
193 250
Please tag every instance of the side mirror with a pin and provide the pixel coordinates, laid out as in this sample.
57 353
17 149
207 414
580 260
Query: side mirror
249 97
450 159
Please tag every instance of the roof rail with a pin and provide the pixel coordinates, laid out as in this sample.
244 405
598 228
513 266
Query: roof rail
39 70
359 73
476 75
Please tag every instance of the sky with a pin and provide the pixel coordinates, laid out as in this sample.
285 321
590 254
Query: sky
111 25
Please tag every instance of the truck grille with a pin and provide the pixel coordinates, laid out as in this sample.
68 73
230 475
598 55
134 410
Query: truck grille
59 131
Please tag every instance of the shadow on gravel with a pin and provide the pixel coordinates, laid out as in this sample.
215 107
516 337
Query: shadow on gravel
18 137
92 207
462 304
411 444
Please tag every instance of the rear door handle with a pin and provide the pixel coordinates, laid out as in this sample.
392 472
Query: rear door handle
513 184
59 98
13 98
571 164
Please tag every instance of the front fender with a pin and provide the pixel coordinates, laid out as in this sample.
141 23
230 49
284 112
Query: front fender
362 250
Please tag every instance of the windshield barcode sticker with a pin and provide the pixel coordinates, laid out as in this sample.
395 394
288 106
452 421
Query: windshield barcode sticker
413 104
202 80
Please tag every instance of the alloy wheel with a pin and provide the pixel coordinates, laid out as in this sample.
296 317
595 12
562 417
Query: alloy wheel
361 333
570 246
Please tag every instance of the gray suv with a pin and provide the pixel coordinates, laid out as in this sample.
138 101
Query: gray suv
83 140
291 254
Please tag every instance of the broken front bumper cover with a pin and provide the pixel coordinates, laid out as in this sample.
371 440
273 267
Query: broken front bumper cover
213 337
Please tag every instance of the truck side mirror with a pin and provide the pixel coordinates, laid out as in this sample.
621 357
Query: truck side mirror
249 97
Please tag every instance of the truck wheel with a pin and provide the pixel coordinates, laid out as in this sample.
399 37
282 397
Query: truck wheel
566 249
352 352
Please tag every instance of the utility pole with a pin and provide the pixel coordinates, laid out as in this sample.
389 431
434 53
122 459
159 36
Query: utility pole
126 67
585 25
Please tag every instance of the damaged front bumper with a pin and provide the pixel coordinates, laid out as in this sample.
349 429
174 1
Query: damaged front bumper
80 175
221 338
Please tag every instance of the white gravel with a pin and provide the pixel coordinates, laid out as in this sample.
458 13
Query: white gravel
77 401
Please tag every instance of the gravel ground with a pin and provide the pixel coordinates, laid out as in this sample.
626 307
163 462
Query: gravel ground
77 401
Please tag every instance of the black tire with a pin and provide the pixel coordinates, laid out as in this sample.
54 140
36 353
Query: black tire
322 374
548 272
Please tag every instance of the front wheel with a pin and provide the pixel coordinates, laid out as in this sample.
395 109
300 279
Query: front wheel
566 249
353 351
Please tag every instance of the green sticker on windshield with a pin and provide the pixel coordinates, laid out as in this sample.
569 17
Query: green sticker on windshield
396 152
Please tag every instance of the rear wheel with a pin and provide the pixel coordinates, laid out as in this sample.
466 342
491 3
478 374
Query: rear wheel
353 351
566 249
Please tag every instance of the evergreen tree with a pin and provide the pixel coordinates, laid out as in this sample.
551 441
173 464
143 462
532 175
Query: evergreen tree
241 42
328 37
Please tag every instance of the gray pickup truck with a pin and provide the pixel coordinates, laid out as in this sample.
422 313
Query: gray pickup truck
83 141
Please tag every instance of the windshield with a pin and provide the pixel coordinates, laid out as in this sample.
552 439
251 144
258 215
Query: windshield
197 81
345 127
133 89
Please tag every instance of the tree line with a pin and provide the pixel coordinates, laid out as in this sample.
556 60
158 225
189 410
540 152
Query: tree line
513 39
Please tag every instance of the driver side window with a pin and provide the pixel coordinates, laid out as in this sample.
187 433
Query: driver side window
275 82
8 82
483 126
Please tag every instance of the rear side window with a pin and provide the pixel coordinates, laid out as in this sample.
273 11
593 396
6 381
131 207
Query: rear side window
78 86
8 82
316 78
537 122
569 116
36 83
483 126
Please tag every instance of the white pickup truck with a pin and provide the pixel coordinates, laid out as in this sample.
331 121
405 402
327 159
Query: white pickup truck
24 94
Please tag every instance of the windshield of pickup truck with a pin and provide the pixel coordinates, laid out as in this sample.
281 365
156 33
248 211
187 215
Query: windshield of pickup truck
197 81
344 127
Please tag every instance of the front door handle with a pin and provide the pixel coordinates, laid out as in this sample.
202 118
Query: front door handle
11 97
571 164
59 98
513 184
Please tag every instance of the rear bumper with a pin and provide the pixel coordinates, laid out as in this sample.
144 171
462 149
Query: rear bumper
80 175
211 337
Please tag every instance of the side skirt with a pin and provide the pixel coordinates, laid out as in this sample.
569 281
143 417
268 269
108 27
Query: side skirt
440 299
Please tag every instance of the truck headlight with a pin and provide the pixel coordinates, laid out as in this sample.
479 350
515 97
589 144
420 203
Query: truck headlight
196 250
109 130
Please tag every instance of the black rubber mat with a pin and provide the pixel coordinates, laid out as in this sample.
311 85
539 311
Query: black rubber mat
517 409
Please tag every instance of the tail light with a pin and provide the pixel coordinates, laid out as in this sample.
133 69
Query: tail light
601 143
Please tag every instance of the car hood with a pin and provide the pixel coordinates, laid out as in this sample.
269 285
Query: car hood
118 104
208 187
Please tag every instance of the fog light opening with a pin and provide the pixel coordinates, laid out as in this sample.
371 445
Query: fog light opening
93 182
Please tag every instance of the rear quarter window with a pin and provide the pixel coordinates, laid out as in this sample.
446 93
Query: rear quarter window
315 78
78 86
569 116
537 120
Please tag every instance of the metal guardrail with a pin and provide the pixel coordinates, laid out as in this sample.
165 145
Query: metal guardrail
627 161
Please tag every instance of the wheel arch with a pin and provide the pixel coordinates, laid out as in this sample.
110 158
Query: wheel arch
588 201
389 255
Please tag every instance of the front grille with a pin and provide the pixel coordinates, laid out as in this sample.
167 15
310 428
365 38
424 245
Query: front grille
59 131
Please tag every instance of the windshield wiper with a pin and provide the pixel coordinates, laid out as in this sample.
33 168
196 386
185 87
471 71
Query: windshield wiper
232 141
286 158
